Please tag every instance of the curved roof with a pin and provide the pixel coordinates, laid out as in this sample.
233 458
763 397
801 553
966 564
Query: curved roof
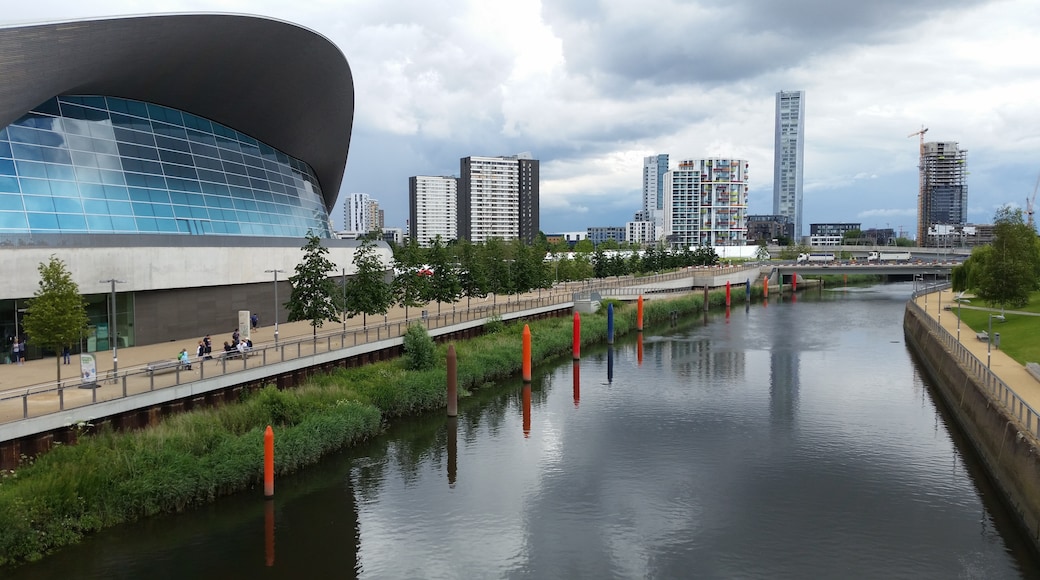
283 84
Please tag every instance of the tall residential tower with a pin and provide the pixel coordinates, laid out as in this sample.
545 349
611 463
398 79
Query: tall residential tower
705 203
498 198
944 191
654 168
433 208
788 157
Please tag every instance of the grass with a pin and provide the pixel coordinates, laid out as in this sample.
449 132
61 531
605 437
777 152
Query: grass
1019 334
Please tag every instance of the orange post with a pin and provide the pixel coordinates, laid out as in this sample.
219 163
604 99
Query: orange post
268 462
639 349
577 384
794 281
269 533
727 292
577 336
526 354
527 410
639 313
765 288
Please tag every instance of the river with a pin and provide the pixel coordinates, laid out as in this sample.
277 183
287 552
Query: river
797 439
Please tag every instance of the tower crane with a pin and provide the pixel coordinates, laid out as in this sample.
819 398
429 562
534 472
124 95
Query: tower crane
922 227
1030 201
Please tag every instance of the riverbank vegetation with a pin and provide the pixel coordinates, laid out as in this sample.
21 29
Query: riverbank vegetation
109 477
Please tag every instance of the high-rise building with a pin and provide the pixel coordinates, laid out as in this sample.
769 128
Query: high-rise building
944 190
432 208
705 203
654 168
789 156
357 213
498 198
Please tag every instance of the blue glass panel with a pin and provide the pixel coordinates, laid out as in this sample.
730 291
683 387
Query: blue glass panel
30 169
95 206
233 157
88 175
136 179
129 122
164 132
64 189
159 196
42 221
210 163
175 157
182 211
239 180
110 162
10 202
112 178
120 208
63 172
94 101
3 134
138 194
140 166
114 104
63 205
13 221
92 191
50 107
35 186
178 198
146 224
143 209
75 126
164 142
53 155
23 135
200 212
82 113
182 226
124 224
5 149
116 192
102 131
216 179
72 223
137 108
29 152
99 223
166 226
199 138
162 210
183 184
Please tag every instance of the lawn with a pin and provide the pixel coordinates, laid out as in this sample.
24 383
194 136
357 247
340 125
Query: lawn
1019 334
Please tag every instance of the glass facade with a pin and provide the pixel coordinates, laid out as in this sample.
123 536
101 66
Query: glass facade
94 164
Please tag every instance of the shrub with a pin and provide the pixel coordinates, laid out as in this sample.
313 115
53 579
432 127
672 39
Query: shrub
418 349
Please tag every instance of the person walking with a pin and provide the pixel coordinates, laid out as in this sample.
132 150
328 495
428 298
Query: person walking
66 354
16 351
254 321
209 347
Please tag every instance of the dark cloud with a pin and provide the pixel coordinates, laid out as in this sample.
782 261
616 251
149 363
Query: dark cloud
668 42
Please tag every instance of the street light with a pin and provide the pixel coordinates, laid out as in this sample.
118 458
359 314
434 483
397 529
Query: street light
112 334
989 336
275 272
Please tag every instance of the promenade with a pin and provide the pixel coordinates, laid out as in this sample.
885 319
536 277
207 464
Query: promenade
1011 372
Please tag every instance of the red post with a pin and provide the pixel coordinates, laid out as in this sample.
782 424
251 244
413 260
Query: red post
639 313
453 387
577 384
268 462
526 354
577 336
527 409
765 288
794 281
727 292
639 349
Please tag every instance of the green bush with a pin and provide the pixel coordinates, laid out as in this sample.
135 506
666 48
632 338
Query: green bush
418 348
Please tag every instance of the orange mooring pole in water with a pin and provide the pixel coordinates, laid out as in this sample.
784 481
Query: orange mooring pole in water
268 462
639 313
526 354
765 288
576 348
794 281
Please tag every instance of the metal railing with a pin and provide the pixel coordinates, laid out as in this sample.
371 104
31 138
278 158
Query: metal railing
992 385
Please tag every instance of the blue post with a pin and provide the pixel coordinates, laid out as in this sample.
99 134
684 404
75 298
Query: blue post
610 324
610 364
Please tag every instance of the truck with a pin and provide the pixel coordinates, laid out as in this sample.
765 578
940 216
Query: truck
815 258
888 256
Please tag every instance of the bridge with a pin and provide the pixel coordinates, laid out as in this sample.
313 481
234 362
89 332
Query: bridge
909 270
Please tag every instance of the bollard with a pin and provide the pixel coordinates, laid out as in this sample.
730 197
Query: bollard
268 462
526 354
577 384
639 313
765 287
610 323
727 293
577 336
453 388
794 281
527 410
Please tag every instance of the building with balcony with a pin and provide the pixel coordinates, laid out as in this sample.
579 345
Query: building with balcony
433 208
705 203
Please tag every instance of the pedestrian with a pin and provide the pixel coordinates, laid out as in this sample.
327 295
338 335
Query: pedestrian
66 354
185 360
254 321
200 353
16 351
209 347
234 338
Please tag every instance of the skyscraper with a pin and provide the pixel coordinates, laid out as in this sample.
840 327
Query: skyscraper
498 198
433 208
705 203
788 157
944 190
357 213
654 168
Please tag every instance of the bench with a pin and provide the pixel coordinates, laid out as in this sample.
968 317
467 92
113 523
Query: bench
164 366
1034 369
983 336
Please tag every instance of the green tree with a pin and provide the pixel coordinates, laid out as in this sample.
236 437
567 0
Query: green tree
409 288
472 273
1009 270
367 290
584 246
445 285
56 316
314 296
419 349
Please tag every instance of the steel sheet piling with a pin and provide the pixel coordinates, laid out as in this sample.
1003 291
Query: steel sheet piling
453 389
526 354
610 324
576 348
268 462
639 313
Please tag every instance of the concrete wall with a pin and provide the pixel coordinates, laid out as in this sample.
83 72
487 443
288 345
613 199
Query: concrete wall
1010 455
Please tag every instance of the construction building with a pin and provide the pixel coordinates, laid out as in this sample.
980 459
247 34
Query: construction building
943 197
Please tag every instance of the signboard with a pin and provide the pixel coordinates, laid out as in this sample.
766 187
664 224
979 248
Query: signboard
88 369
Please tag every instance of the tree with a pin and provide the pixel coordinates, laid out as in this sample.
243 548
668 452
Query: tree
314 295
584 246
56 316
1009 270
445 285
367 290
472 275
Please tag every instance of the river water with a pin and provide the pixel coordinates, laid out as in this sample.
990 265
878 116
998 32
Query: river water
797 439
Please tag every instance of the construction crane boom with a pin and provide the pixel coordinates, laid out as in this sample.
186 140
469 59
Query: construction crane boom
921 218
1030 201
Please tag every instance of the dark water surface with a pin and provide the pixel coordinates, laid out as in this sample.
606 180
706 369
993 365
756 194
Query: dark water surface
797 440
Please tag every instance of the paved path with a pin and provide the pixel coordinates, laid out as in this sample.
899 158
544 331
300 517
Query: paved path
1006 368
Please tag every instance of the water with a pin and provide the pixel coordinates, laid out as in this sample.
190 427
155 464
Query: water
797 440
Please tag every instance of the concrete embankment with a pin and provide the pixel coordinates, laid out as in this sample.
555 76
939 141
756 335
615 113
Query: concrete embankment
1007 445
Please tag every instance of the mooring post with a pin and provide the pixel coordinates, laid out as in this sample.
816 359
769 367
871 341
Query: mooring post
794 282
727 293
639 348
639 314
705 297
268 462
576 347
765 287
527 409
610 323
577 383
453 390
526 354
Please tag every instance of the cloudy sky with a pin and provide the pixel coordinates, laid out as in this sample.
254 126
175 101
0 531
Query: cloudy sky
590 87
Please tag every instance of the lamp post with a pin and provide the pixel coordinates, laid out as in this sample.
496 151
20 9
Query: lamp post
275 272
112 334
989 336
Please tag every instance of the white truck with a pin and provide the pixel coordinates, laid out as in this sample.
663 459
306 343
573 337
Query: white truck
815 258
888 256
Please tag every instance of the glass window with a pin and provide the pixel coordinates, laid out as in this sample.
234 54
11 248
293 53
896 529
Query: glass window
123 224
143 209
53 155
175 157
166 225
68 222
5 149
63 205
146 224
99 223
10 220
30 169
164 142
164 131
64 189
120 208
116 192
162 210
112 177
182 211
42 221
35 186
159 196
10 202
108 162
28 152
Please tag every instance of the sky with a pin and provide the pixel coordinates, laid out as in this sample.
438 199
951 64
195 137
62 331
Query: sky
591 87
